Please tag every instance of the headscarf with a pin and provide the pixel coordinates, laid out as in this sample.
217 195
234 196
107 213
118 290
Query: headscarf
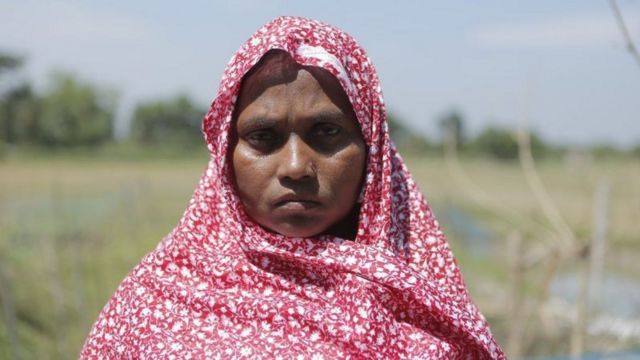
221 286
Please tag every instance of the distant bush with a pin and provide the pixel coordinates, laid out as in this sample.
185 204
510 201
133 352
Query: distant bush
606 151
176 121
502 144
76 113
69 113
407 139
19 115
452 124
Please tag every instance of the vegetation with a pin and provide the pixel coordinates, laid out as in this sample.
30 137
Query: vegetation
73 113
406 138
176 120
71 229
75 220
502 145
452 125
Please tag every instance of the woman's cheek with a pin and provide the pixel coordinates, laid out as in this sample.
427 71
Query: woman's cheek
347 173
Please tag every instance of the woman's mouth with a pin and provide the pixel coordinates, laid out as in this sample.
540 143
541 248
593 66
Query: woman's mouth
297 205
292 202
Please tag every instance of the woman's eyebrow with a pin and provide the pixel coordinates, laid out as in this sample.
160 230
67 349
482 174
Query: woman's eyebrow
257 121
328 115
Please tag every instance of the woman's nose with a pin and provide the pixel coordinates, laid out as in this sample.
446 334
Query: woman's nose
296 162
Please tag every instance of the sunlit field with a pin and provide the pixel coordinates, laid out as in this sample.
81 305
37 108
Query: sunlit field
72 227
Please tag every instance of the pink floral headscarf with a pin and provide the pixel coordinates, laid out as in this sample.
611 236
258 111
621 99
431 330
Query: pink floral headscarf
221 286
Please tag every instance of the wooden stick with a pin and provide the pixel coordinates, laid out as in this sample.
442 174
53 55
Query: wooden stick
516 300
545 201
582 307
625 32
598 242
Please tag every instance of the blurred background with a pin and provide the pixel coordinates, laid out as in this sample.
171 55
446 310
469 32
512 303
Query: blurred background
520 122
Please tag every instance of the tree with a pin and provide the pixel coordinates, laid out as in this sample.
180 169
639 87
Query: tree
18 103
604 151
9 62
176 121
398 131
452 123
76 113
405 138
498 143
19 115
502 144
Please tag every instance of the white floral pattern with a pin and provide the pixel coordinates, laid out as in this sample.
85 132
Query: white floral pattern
219 286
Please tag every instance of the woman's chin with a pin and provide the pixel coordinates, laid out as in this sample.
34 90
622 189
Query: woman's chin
297 229
299 233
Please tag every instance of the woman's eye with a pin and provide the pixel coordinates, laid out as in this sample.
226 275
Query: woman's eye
261 136
327 130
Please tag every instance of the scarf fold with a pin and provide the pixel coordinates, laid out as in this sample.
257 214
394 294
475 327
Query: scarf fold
220 286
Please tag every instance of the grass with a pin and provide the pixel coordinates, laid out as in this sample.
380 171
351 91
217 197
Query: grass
71 227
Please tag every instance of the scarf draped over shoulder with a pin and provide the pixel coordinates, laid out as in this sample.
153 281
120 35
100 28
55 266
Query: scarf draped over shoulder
219 286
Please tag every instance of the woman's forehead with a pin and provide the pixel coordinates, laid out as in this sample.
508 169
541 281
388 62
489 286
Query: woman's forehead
277 69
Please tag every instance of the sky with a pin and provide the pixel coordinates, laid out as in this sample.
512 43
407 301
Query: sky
557 67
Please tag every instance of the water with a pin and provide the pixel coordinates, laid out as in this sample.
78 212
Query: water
475 236
619 295
623 355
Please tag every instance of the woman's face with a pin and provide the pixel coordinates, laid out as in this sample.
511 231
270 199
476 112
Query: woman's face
299 156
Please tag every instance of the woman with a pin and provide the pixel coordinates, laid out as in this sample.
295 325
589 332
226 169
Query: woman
306 235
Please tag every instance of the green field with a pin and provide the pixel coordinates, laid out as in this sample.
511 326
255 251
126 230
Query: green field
71 228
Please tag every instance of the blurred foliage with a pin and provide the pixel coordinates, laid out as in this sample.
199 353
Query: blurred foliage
19 118
75 113
9 62
176 120
452 123
607 151
72 113
72 227
407 139
502 144
73 222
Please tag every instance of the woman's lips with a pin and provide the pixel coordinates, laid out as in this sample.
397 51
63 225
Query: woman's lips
292 204
297 205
